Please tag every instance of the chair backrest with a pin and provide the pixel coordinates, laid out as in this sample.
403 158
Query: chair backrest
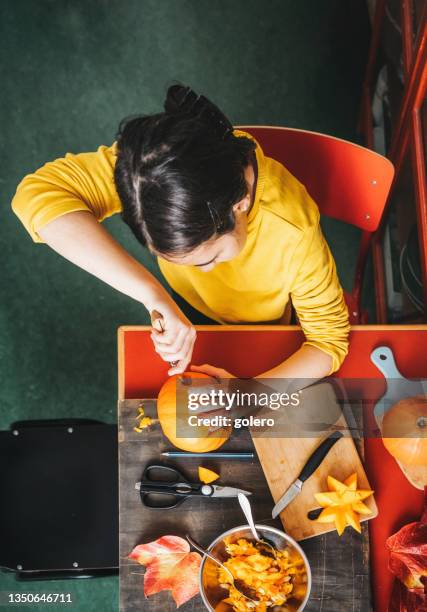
347 181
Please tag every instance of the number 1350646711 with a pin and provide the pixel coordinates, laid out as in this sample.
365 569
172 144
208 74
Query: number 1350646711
8 598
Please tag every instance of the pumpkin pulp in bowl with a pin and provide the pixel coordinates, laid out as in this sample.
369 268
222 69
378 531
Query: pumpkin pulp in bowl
284 581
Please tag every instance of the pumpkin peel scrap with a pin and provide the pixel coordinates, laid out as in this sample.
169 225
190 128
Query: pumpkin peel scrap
169 566
207 476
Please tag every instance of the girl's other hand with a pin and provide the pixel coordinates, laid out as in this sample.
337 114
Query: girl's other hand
211 370
223 379
173 336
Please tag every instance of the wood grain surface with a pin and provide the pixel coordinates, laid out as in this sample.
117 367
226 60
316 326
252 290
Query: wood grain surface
340 566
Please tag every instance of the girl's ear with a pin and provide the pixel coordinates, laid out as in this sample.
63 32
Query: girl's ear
242 205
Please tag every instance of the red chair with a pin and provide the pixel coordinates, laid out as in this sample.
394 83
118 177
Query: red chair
348 182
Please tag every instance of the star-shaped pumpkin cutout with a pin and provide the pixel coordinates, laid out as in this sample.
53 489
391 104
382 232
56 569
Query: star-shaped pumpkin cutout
343 503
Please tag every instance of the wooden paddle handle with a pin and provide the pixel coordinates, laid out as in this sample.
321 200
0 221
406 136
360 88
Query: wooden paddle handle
157 323
157 320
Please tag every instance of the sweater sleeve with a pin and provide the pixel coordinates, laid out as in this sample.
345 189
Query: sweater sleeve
318 298
72 183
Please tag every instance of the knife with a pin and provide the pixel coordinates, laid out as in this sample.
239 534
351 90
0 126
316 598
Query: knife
310 467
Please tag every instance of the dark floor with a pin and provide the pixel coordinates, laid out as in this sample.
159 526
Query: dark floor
71 70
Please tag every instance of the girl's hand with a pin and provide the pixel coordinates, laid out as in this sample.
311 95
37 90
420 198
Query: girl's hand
173 336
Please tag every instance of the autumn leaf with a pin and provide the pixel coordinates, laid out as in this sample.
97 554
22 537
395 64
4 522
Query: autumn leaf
408 554
169 566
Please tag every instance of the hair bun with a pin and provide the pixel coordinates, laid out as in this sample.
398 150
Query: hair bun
182 100
179 99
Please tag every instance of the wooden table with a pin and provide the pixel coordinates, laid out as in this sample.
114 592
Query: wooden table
340 565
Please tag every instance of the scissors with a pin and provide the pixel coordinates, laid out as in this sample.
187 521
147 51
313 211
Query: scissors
163 487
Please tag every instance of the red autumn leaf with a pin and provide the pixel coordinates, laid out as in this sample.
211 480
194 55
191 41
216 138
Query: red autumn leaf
408 562
405 600
169 566
408 554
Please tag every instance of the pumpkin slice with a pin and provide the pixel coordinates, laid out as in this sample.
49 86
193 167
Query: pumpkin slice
351 482
336 485
207 476
350 497
352 518
363 493
340 521
327 515
361 508
327 499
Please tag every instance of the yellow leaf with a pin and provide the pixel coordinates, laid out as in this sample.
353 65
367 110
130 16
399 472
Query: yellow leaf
207 476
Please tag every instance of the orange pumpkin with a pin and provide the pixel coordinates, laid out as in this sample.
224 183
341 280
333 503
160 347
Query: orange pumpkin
197 442
404 430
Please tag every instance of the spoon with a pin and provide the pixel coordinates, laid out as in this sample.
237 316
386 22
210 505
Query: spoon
247 511
197 546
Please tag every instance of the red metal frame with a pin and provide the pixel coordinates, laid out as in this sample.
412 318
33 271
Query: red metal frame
407 134
364 246
366 115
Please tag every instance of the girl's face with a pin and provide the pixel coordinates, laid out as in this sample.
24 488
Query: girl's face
225 247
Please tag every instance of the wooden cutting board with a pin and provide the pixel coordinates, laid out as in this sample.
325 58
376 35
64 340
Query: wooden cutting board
282 458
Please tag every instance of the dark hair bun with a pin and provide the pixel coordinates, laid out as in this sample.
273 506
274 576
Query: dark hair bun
182 100
177 99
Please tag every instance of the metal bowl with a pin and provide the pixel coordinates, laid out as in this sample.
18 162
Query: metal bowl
212 593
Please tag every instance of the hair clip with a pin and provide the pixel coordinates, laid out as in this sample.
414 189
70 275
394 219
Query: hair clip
218 224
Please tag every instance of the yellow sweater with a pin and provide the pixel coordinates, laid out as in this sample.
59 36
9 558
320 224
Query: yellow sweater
285 258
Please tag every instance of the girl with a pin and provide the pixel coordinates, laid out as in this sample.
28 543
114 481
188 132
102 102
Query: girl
236 235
